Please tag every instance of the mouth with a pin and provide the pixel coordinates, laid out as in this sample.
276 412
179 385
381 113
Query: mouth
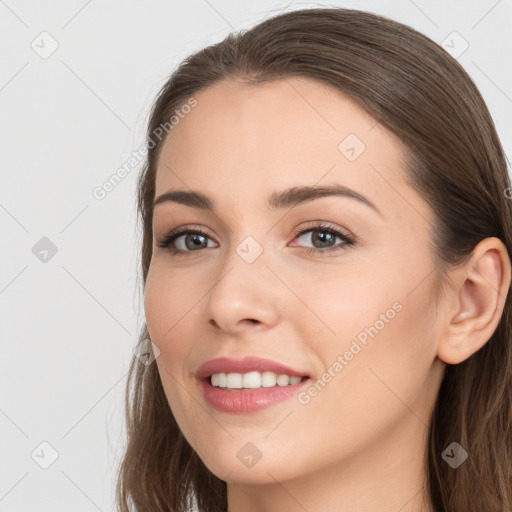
252 380
235 398
248 385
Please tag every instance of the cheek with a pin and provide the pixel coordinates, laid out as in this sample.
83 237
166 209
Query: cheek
169 297
156 299
376 374
346 302
172 301
168 308
380 327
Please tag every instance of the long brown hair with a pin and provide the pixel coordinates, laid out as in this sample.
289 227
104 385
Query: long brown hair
455 160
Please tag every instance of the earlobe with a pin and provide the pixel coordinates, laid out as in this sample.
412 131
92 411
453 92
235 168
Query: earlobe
479 293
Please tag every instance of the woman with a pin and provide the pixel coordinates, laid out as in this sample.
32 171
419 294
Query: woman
326 268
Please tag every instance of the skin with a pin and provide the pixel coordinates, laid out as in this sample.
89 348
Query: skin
358 444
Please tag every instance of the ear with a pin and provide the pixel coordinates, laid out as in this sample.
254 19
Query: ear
476 301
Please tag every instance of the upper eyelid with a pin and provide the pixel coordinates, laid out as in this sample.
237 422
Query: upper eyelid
314 225
310 225
325 225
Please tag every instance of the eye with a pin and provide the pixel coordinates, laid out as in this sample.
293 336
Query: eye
186 240
193 240
324 236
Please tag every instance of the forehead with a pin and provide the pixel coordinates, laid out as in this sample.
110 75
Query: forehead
290 132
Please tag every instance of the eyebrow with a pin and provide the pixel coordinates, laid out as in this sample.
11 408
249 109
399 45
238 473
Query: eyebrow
278 200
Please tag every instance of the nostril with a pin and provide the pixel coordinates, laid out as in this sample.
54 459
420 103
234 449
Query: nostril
251 320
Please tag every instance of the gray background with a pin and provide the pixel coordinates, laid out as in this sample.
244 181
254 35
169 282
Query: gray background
69 320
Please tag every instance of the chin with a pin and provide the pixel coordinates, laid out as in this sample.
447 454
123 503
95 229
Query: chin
245 464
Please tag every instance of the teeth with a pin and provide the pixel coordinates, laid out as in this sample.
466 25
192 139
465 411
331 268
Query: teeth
252 380
234 380
268 379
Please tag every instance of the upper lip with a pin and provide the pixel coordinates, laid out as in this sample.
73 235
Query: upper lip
244 365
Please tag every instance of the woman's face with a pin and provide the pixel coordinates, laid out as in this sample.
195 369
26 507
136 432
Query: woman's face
348 303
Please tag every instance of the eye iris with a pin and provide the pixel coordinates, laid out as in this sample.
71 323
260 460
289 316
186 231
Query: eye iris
196 243
322 236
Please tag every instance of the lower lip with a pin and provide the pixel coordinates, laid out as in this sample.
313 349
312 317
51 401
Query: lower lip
248 400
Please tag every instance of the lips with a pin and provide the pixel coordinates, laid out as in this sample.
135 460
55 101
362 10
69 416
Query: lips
245 365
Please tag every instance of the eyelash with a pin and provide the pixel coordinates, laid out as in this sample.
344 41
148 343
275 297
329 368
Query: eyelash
166 242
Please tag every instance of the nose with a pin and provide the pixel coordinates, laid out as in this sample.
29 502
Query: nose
243 296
